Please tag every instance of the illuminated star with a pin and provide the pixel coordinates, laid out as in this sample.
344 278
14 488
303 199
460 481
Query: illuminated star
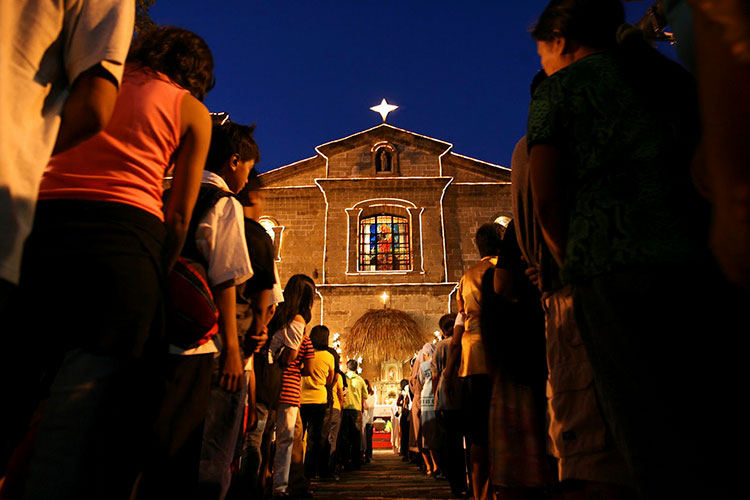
384 108
384 297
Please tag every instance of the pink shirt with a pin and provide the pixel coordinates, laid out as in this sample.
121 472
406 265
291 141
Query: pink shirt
127 161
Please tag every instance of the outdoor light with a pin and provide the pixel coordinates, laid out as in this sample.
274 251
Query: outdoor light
384 108
384 297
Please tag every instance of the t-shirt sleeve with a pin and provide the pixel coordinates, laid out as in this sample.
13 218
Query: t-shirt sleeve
97 32
330 363
293 335
460 319
307 351
220 237
543 125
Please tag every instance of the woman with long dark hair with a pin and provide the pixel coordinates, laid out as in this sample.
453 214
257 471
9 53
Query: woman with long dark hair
294 350
101 244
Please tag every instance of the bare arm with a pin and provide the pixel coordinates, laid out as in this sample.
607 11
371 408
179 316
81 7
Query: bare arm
435 369
230 369
723 70
549 199
260 302
195 125
88 108
307 366
340 394
454 353
288 355
252 416
503 283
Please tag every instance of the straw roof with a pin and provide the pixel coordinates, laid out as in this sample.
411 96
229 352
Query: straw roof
383 334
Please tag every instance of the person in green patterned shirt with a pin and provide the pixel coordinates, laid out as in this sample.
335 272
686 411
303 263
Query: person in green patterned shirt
611 134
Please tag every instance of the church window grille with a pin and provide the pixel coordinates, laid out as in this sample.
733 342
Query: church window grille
384 243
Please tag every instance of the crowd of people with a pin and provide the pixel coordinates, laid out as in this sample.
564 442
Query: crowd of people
592 354
607 269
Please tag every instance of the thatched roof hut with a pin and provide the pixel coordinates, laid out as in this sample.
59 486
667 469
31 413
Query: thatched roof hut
383 334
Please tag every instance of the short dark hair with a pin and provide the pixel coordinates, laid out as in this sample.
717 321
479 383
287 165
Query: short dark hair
446 322
404 383
352 364
319 337
228 139
592 23
253 184
489 237
178 53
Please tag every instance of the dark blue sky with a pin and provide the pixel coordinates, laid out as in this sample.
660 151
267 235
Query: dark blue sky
306 72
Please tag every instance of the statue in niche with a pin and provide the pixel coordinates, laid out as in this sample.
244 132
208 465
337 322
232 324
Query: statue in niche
383 160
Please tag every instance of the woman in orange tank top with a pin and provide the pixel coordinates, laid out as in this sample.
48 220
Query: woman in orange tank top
102 243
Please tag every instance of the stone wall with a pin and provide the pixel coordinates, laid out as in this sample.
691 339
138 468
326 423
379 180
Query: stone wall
301 212
468 206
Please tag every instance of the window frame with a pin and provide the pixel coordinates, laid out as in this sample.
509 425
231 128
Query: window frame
395 220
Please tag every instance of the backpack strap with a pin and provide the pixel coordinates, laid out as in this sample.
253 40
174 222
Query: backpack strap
208 196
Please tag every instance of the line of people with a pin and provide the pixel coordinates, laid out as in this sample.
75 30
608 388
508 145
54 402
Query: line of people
592 345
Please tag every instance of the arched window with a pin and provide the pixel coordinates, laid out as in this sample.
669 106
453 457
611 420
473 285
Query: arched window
384 243
275 231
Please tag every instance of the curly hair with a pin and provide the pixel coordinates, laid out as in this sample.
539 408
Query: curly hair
178 53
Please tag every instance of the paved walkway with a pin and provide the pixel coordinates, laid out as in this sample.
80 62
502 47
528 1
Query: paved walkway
385 477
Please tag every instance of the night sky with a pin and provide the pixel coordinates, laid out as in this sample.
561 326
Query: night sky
307 72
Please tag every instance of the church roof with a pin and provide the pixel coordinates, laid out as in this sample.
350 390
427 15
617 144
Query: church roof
386 132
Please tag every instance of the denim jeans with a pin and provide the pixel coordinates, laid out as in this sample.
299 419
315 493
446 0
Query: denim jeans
251 454
286 417
220 432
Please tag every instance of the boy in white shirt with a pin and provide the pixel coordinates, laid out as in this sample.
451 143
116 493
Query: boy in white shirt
199 418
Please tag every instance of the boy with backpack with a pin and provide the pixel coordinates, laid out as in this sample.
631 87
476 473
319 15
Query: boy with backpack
204 386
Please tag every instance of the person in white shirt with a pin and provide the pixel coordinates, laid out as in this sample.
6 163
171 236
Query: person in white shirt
195 407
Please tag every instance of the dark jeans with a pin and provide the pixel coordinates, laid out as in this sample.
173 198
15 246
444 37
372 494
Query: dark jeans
312 422
248 482
350 438
405 427
450 454
368 442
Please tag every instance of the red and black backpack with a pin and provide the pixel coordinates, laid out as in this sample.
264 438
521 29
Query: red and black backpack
191 314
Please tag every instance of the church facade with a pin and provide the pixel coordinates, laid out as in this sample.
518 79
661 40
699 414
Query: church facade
382 218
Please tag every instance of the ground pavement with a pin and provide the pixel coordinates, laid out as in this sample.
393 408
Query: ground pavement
385 477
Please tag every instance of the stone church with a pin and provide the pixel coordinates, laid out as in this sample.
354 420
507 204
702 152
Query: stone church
384 218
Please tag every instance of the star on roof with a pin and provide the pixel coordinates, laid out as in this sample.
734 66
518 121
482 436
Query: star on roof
384 108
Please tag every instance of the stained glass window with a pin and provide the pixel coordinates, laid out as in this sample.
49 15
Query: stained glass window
384 243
